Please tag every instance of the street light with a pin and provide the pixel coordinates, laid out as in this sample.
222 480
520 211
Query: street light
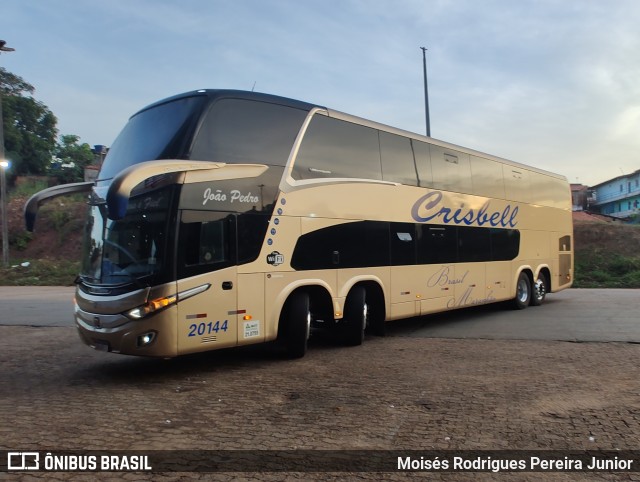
4 165
426 92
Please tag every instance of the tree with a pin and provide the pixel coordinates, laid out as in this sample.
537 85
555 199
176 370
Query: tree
29 126
70 159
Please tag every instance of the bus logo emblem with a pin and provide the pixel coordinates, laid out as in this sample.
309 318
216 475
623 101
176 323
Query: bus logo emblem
275 258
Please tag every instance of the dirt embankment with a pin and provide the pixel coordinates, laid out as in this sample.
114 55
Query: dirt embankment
612 238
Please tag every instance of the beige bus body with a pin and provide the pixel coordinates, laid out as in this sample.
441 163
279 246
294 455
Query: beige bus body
241 305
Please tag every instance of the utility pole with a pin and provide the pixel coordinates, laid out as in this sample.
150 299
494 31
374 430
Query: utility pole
426 90
4 164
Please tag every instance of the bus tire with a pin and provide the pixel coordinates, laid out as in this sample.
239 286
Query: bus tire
523 292
540 289
355 316
298 319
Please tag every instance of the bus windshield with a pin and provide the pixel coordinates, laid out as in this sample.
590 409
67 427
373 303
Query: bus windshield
160 132
130 249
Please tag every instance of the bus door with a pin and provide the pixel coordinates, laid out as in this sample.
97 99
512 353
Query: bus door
207 276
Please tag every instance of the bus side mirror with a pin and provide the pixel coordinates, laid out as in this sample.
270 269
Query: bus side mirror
33 204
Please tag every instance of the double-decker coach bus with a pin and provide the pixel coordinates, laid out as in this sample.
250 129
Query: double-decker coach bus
223 218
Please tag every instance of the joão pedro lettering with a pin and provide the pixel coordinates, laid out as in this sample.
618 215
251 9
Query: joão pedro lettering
429 207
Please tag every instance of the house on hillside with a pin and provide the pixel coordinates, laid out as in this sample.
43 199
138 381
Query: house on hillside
581 197
99 153
618 197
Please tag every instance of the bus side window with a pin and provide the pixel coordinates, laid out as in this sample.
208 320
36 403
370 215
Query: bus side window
474 244
206 242
541 189
403 244
505 244
548 191
333 148
516 184
437 244
398 159
357 244
252 229
487 177
423 163
451 171
246 131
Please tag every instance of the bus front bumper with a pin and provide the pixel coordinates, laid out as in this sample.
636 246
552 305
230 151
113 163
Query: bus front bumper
154 336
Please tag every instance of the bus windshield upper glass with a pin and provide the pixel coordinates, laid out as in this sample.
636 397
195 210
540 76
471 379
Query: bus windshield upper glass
132 248
160 132
230 130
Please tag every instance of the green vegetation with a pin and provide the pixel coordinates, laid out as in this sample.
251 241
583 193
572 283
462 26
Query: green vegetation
598 270
29 126
606 256
30 132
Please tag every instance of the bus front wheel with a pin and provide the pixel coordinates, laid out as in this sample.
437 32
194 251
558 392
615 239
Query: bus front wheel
523 292
298 319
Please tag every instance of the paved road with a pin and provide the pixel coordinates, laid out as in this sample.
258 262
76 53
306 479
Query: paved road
413 390
36 305
571 315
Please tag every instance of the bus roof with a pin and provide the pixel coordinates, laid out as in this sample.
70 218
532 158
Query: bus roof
217 94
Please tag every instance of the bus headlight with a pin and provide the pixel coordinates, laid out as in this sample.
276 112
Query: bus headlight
151 307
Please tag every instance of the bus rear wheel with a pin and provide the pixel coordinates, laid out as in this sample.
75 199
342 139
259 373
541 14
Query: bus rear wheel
540 289
356 312
298 320
523 292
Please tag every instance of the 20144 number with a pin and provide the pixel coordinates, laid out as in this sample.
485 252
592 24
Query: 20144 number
201 329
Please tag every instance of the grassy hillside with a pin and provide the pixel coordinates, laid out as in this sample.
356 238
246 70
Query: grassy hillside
607 255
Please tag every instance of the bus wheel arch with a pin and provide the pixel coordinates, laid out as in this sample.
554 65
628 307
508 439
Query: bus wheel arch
524 290
540 287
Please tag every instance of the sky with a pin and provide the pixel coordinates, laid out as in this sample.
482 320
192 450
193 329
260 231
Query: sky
554 84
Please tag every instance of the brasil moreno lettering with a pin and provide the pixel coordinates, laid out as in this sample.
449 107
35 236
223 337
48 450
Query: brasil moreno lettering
429 207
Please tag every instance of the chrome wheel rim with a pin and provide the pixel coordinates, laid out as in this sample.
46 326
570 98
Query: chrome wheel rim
540 289
523 291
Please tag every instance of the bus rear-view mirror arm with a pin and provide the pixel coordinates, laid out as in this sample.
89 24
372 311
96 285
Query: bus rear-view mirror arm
33 204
